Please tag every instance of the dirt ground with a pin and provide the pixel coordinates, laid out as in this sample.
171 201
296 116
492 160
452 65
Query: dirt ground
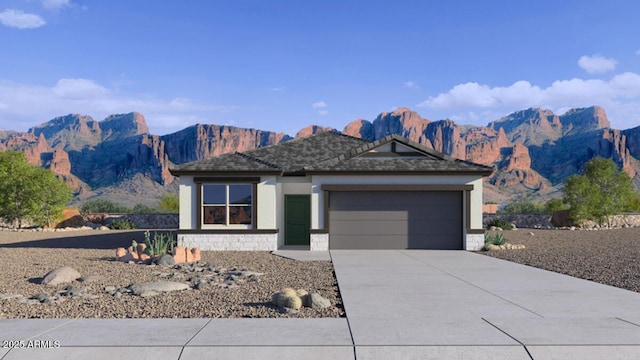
609 257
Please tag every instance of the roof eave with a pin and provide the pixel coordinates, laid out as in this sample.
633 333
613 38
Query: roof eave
179 173
482 173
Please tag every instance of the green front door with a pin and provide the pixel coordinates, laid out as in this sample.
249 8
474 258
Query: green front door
297 219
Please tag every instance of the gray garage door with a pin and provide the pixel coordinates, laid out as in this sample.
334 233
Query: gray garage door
395 220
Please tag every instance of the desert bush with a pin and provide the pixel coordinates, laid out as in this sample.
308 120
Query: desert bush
523 207
495 239
169 203
501 223
103 206
122 224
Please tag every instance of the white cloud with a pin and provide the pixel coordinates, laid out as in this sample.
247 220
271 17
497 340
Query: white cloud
323 112
278 89
20 20
319 105
27 105
597 64
410 85
619 96
78 89
56 4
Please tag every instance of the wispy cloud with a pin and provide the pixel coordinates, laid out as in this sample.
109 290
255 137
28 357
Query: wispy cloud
278 89
638 52
20 20
410 85
597 64
56 4
620 96
319 105
26 105
78 89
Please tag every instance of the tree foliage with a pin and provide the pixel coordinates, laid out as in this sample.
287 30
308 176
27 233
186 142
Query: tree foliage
29 192
169 203
553 205
601 191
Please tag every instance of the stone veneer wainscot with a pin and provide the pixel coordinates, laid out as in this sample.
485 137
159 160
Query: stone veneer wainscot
238 242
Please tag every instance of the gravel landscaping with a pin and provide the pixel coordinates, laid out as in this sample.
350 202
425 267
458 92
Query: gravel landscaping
27 256
610 257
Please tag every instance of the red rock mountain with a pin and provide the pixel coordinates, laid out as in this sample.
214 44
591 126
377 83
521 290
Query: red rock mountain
533 150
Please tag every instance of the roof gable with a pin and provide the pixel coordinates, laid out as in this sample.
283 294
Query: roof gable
396 146
396 154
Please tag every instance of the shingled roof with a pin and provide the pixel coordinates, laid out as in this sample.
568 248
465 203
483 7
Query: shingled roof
331 152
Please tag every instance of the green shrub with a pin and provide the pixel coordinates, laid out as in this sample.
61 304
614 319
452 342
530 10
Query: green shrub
160 244
122 224
501 223
144 209
602 191
523 207
103 206
495 239
169 203
554 205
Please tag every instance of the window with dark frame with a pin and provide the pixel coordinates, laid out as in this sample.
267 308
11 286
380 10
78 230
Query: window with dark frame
227 205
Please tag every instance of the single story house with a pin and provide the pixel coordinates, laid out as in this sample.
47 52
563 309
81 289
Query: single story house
332 191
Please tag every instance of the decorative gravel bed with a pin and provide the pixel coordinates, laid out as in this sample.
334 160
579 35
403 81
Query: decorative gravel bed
610 257
26 257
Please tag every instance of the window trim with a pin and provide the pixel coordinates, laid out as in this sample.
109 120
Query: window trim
201 205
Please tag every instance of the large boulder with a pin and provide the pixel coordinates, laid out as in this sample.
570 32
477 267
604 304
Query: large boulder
164 260
61 275
316 301
157 287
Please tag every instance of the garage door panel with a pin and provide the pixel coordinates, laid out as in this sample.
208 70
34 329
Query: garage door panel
395 220
384 227
369 215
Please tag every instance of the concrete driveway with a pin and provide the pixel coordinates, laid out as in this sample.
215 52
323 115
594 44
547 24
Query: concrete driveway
399 305
455 304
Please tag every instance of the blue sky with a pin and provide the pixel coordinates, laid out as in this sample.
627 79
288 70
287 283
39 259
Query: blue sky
282 65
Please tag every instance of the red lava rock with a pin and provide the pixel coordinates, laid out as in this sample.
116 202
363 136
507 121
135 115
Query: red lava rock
140 250
180 254
196 254
183 254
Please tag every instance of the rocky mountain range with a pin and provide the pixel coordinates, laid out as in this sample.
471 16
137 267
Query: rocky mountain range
533 150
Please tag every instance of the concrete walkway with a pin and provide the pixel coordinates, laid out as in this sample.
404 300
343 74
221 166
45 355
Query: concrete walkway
399 305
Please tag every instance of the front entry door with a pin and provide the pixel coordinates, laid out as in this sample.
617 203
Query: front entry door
297 218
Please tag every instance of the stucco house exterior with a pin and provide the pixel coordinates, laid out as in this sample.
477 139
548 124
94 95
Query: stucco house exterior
332 191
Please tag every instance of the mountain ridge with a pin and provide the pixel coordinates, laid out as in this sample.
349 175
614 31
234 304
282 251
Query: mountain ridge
533 150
